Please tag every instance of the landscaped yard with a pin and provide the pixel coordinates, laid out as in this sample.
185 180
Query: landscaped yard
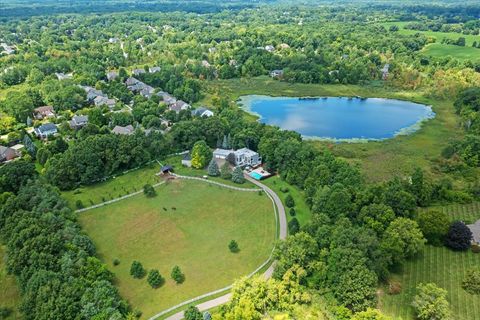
195 237
442 266
9 295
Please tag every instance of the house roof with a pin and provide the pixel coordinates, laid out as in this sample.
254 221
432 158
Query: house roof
475 228
47 127
246 152
80 119
187 157
131 81
167 168
222 152
123 130
44 109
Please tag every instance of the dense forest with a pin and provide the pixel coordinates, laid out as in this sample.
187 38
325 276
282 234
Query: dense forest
57 54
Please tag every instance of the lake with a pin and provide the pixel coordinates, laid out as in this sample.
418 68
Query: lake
337 118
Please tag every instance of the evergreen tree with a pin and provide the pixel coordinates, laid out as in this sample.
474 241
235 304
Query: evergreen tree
237 175
225 143
233 246
213 168
192 313
459 236
289 202
293 226
136 270
225 171
177 275
154 279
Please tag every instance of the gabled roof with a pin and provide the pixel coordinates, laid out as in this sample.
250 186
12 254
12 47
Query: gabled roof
123 130
47 127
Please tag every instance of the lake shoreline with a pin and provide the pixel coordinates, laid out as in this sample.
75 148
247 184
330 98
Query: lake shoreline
245 103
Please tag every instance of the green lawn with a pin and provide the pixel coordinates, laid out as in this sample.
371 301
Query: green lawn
443 50
444 267
379 161
9 294
302 210
195 236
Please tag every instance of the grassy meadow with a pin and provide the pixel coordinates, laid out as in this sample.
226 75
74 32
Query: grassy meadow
195 237
442 266
9 294
380 160
443 50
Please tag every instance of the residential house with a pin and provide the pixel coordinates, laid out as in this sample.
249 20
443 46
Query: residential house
247 157
104 101
475 229
7 49
167 98
154 69
128 130
221 154
112 75
43 112
269 48
131 81
147 91
138 72
63 76
78 122
46 130
113 40
276 73
179 105
202 112
8 154
92 94
187 160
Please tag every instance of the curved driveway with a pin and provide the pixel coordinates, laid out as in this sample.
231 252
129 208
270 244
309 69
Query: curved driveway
282 222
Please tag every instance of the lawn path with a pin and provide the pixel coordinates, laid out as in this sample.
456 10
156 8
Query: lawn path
282 222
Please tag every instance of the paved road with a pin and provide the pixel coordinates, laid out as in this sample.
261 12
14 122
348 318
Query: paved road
282 219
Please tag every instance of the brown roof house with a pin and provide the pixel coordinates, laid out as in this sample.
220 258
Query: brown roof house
41 113
8 154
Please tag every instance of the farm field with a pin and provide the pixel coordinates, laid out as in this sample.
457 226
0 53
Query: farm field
442 266
195 237
380 160
9 294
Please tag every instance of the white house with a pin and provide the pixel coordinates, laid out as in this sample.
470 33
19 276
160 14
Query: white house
202 112
247 157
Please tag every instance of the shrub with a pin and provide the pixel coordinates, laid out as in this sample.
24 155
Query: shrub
394 287
79 204
434 225
177 275
225 171
293 226
192 313
136 270
116 262
233 246
431 302
283 189
149 191
237 175
459 236
292 212
471 283
289 202
154 279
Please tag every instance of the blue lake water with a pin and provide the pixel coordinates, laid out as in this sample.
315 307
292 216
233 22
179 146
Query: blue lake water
339 118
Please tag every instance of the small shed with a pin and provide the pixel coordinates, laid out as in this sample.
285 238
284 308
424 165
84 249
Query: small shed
187 160
166 169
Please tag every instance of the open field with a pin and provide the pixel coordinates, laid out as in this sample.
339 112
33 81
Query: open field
442 266
442 50
381 160
195 236
303 213
9 294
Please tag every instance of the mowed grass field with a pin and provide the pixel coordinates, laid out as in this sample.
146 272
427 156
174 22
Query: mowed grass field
441 50
195 237
9 294
442 266
379 161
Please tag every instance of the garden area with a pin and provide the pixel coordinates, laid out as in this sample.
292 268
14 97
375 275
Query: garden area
189 224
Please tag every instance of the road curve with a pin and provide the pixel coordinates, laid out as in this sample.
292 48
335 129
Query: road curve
282 222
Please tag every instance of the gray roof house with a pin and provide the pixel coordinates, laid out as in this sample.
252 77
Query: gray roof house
138 72
63 76
276 73
179 106
78 122
128 130
147 91
221 153
202 112
154 69
112 75
187 160
475 228
247 157
131 81
92 94
46 130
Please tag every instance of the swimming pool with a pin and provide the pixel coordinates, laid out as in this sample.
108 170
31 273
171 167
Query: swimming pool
256 175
